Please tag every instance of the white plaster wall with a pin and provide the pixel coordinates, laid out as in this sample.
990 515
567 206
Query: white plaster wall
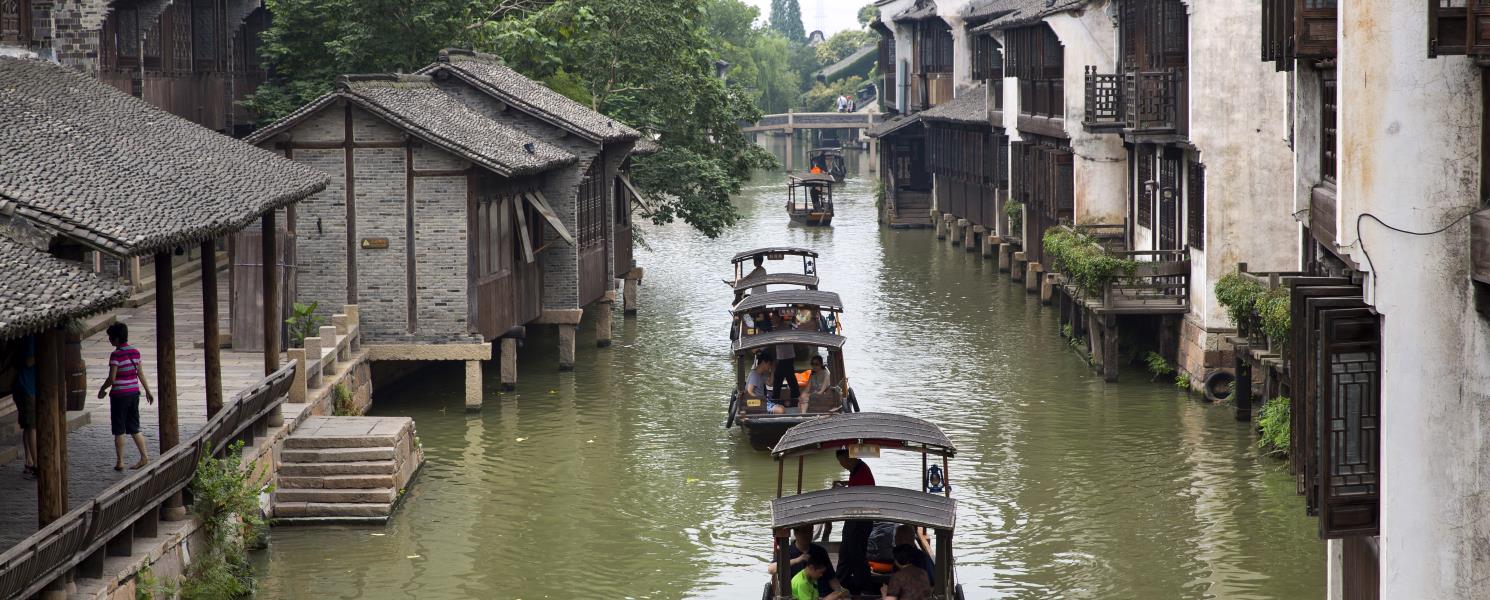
1100 165
952 11
1409 156
903 37
1235 103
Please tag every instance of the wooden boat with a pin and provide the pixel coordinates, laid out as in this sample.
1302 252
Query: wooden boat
746 279
865 435
830 161
820 331
809 199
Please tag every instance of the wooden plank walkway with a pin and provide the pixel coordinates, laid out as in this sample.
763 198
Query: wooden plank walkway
90 449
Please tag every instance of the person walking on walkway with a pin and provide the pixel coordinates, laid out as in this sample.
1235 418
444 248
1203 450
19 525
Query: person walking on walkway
126 380
24 394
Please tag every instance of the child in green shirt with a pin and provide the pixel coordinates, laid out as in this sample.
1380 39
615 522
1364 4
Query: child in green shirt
804 584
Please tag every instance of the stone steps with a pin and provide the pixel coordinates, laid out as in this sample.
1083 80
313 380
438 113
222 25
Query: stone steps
339 469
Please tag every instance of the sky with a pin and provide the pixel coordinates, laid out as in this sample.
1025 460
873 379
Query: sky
831 16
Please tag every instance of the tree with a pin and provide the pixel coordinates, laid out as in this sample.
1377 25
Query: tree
786 18
842 44
867 14
649 63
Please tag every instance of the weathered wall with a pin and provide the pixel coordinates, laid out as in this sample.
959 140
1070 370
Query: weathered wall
440 245
1100 164
321 220
1398 105
381 274
903 37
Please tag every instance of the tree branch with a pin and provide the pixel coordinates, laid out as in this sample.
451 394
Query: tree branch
504 8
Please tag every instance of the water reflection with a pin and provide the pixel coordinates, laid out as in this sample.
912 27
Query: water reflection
618 480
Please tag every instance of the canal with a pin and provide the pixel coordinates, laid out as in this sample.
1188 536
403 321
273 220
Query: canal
619 481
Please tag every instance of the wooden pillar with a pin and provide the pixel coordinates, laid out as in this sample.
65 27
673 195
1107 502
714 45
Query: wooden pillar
211 343
783 563
51 429
1241 389
271 293
165 365
1109 348
944 563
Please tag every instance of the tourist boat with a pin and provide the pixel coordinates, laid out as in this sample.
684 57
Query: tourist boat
865 435
811 322
830 161
744 281
809 199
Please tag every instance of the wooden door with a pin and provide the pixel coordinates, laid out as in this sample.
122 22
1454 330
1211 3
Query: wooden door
248 287
1169 205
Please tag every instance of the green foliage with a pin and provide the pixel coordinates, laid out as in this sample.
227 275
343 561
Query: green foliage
842 44
824 98
1157 365
226 500
1276 315
786 19
343 407
1182 381
1015 212
149 587
648 63
1087 263
303 322
1066 330
1239 294
1275 421
879 196
867 14
564 83
1250 305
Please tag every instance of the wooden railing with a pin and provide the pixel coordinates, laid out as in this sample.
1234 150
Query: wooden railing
1161 284
1151 100
1104 101
106 525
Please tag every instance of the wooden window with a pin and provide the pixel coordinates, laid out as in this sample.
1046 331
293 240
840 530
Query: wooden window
1458 27
1195 205
180 28
590 205
1327 128
1294 29
126 36
496 245
1348 421
15 22
207 39
935 46
887 68
1169 203
988 61
1037 58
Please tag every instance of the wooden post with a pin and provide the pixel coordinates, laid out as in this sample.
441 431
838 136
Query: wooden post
51 429
165 365
1241 389
271 294
211 343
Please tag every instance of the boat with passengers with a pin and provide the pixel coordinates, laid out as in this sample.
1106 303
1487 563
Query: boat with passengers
757 279
774 336
829 159
865 435
809 199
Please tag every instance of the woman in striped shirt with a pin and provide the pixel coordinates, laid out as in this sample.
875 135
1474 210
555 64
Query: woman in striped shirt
126 380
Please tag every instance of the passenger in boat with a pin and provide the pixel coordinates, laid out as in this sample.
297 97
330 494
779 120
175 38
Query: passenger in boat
909 582
803 550
905 535
817 381
755 384
786 369
760 269
805 582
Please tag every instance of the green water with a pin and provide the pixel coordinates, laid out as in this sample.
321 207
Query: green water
619 481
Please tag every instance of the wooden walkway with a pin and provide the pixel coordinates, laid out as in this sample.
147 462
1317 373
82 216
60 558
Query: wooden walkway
90 449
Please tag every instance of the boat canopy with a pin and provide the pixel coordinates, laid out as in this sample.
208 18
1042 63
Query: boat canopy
813 179
807 281
868 502
792 250
790 336
879 429
818 298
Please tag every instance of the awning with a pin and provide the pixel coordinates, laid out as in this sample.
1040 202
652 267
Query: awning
541 205
874 503
626 181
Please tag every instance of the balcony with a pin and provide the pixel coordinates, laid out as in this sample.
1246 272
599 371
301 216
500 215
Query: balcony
1138 103
1104 101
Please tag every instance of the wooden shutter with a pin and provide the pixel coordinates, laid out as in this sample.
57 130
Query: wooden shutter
1195 207
1301 363
1145 199
1448 27
1314 28
1065 187
1169 203
1347 420
15 22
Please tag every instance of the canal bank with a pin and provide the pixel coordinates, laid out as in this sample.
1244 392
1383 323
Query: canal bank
619 480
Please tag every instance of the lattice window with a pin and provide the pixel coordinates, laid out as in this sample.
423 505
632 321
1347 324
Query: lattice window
1327 129
935 46
590 205
1144 198
127 35
1195 209
1348 422
154 41
180 37
15 22
206 38
1169 203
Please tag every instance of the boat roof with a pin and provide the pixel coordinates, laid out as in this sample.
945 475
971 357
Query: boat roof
870 502
793 250
789 336
818 298
812 179
777 279
827 150
881 429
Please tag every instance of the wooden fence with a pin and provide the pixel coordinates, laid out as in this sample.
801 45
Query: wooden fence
106 525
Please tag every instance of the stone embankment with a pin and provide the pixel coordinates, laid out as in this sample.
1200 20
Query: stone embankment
338 469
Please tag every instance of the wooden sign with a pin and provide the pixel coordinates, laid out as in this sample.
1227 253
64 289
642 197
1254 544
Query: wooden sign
863 451
375 243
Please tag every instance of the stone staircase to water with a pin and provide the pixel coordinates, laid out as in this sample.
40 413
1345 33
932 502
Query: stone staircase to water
339 469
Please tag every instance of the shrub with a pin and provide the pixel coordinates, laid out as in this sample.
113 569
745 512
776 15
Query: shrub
226 501
1014 211
1087 263
304 323
1182 381
1239 294
1275 422
343 406
1157 365
1276 315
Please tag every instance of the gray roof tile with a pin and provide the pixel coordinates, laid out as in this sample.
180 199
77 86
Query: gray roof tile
83 159
45 290
487 73
1028 12
969 107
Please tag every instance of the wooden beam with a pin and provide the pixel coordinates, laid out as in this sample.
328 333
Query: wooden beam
51 429
411 280
335 145
165 352
270 252
349 165
211 342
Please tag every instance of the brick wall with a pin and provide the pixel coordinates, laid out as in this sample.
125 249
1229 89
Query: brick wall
440 246
73 29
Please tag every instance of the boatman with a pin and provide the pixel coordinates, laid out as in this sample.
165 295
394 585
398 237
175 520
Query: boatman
853 554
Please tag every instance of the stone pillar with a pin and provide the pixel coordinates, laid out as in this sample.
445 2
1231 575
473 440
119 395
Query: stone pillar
603 319
1047 288
629 291
1032 277
1016 267
508 356
990 247
473 385
970 236
299 391
949 228
1006 257
941 225
567 333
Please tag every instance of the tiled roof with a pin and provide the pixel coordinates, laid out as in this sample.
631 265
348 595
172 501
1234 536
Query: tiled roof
891 125
983 9
414 104
487 73
922 9
44 290
1028 12
969 107
862 55
84 160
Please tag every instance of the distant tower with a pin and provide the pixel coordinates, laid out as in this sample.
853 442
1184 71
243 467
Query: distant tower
821 16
